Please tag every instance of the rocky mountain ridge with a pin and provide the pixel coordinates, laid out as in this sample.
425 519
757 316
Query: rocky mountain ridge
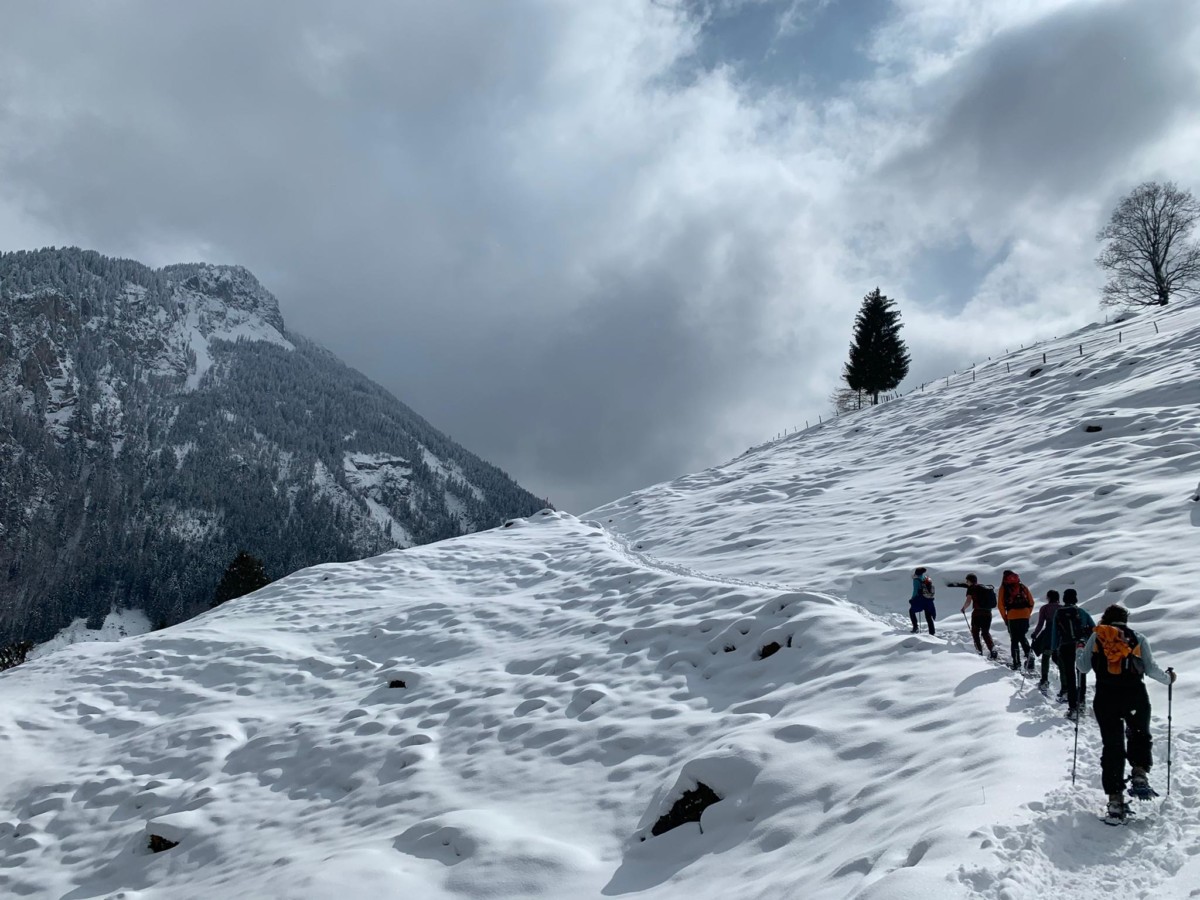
155 421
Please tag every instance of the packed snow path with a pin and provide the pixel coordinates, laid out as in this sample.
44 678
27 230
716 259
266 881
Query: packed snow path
1058 851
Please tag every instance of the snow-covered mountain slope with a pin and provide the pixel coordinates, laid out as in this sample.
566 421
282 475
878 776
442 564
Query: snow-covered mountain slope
155 422
561 682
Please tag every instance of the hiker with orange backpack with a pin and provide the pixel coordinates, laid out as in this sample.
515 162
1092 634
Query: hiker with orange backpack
1121 658
1015 603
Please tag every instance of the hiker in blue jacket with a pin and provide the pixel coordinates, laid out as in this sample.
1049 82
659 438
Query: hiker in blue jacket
922 600
1073 625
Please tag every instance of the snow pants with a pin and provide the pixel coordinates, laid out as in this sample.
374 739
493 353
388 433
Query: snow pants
1017 629
1046 667
981 628
924 605
1069 678
1123 714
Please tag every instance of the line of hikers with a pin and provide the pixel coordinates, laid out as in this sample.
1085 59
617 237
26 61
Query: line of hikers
1117 656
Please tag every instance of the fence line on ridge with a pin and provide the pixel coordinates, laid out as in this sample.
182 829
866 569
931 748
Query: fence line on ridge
1012 360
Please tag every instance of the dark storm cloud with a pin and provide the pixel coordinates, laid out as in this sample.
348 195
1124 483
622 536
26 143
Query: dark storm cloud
452 197
1056 105
520 219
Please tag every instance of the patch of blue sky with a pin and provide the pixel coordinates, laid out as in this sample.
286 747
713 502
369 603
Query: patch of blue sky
815 47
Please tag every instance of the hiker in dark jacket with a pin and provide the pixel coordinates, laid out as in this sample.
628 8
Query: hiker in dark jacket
1015 603
922 599
1045 626
1073 625
1121 658
982 602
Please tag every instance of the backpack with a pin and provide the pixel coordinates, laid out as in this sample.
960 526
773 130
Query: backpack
1018 598
985 596
1068 625
926 587
1116 653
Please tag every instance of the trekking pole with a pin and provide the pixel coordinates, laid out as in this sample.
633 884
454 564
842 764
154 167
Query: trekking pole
1170 691
1075 753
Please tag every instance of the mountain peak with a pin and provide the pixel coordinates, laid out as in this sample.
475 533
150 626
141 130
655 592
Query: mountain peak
235 285
165 420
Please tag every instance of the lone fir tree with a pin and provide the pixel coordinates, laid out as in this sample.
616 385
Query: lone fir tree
244 576
878 358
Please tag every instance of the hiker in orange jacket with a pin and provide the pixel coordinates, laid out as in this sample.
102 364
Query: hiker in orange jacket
1015 603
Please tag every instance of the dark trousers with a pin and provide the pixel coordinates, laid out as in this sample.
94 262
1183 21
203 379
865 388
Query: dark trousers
912 614
981 628
1123 714
1046 667
1017 629
1069 678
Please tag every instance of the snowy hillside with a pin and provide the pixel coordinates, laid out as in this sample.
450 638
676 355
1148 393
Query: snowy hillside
508 714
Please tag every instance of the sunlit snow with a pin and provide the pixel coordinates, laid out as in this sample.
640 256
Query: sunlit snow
506 715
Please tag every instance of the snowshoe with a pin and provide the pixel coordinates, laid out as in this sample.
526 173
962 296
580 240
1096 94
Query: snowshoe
1117 812
1139 786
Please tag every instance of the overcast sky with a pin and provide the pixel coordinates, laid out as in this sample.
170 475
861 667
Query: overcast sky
602 244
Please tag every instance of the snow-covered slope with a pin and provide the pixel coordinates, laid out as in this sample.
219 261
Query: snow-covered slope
560 682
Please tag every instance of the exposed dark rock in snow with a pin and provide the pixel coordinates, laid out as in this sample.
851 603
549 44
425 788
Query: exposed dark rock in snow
688 808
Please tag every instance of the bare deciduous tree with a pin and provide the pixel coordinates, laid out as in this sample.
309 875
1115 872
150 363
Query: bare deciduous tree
845 399
1147 252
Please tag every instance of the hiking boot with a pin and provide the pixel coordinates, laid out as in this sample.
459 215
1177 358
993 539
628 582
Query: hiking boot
1072 715
932 630
1061 698
993 654
1028 663
916 630
1043 684
1139 780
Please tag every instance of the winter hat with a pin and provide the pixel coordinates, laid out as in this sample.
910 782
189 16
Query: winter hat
1115 613
920 570
1052 595
1070 597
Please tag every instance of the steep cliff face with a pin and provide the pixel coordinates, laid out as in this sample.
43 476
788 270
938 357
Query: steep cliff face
154 422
